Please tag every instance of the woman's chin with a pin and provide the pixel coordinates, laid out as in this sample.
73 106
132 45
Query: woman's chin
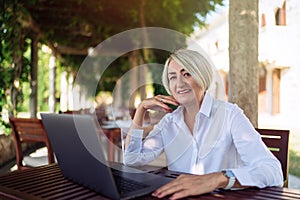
188 102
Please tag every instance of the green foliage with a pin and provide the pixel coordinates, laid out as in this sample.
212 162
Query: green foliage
5 128
112 74
5 58
4 84
12 46
294 163
14 42
43 79
179 15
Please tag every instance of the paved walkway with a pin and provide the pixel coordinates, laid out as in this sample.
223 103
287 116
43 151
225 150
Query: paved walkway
294 182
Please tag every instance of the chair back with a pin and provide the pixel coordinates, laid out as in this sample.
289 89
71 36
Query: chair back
27 130
278 143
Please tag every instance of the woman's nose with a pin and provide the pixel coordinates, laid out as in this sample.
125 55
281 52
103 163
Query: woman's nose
180 81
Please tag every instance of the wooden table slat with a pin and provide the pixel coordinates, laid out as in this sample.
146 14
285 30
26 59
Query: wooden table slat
82 194
237 195
61 188
16 194
34 181
69 193
215 196
45 187
284 192
253 194
28 175
4 196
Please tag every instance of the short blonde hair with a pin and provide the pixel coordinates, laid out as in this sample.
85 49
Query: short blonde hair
194 63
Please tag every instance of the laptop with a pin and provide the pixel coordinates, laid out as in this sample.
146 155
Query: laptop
78 150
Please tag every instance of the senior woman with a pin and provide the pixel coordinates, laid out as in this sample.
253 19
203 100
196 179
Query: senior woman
211 140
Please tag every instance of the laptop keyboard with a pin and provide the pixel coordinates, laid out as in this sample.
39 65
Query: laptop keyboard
126 185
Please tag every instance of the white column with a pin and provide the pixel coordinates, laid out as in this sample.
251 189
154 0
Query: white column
269 95
64 92
52 75
70 92
117 98
76 97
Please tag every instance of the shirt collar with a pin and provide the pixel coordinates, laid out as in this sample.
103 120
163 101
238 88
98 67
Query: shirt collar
205 108
206 105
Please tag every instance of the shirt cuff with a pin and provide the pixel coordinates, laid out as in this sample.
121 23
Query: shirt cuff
136 136
137 133
243 177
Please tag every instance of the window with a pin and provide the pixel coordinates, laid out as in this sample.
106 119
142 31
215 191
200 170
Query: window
281 15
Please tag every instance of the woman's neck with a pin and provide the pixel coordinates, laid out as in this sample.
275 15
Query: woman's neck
194 107
189 119
190 112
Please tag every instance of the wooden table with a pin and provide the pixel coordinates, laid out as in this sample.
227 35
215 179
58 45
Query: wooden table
112 131
47 182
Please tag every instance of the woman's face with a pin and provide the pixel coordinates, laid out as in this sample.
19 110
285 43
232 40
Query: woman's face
183 86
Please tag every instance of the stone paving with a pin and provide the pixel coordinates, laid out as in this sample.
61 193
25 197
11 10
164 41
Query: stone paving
294 182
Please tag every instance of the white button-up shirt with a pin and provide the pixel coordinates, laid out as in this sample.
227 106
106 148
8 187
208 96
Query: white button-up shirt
223 138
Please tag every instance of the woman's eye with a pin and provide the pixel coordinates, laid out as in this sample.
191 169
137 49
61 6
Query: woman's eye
186 74
172 77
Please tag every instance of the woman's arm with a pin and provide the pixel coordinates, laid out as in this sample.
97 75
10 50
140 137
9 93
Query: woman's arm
258 166
261 168
138 151
155 103
188 185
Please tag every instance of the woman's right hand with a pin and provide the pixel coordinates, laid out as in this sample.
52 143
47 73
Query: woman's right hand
158 103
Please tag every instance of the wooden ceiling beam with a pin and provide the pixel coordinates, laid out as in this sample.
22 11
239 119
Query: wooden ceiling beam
72 51
69 27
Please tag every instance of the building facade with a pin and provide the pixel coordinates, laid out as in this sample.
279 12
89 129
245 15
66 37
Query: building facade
279 58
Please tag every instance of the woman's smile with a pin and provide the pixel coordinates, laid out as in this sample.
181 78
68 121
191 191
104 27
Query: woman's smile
184 91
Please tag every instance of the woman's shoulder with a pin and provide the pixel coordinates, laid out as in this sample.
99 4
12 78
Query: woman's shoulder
228 106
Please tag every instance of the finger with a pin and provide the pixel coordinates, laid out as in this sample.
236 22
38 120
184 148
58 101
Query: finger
171 98
168 189
179 195
167 99
164 107
160 98
179 188
189 190
170 101
160 103
155 104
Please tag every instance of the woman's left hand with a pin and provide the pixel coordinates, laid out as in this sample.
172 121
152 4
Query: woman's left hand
190 185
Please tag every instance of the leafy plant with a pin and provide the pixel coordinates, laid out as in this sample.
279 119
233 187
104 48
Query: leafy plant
14 66
178 15
294 163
